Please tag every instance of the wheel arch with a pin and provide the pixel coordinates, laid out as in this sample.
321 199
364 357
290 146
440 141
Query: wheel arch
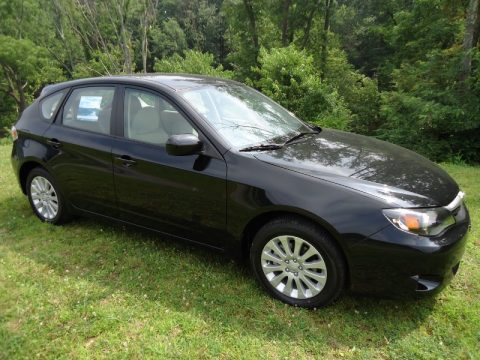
25 169
254 225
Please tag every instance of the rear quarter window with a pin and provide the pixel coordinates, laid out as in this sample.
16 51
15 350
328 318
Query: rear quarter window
50 104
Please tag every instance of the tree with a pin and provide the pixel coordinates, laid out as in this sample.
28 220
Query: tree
25 68
146 21
167 39
404 70
471 21
252 23
285 16
289 76
308 24
326 27
193 62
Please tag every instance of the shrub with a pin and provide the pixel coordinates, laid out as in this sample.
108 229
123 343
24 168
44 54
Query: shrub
431 111
289 76
101 63
359 92
193 62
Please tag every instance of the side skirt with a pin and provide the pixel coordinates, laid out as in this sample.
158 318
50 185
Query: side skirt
172 236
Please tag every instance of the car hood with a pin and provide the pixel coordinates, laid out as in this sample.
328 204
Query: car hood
390 172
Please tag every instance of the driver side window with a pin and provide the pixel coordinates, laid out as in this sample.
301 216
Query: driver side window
152 119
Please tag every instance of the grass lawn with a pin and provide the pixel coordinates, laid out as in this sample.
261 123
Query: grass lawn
92 290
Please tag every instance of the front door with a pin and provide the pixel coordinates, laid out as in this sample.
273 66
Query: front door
179 195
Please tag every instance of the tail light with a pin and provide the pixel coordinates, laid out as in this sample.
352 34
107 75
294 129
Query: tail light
14 133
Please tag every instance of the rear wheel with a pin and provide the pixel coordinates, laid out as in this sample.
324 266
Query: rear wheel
45 198
298 262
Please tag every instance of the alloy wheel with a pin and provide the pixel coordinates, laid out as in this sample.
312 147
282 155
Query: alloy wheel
44 197
294 267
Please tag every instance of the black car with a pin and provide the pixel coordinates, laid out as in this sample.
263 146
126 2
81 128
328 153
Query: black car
215 162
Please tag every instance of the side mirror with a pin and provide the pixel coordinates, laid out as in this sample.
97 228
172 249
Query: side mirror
183 144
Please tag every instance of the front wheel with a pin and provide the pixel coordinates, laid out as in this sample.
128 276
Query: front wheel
45 198
298 262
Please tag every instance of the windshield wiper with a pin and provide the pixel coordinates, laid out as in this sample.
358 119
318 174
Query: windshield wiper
299 135
262 147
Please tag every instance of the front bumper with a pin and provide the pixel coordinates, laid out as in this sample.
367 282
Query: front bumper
397 263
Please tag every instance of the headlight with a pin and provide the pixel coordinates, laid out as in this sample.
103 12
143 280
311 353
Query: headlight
429 222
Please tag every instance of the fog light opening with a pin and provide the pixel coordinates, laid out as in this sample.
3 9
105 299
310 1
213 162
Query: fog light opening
455 268
425 285
421 287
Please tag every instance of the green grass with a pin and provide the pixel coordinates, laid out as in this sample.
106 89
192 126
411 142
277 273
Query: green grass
94 290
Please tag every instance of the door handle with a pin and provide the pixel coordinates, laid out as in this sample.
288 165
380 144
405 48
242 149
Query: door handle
54 143
126 160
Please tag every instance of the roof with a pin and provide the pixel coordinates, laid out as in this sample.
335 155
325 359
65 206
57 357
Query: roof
176 82
182 81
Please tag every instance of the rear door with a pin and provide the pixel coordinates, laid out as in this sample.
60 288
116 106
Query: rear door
81 140
179 195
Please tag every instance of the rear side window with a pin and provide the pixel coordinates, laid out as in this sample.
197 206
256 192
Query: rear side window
50 104
89 109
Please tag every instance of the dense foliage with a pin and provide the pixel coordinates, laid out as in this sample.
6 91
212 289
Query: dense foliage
406 70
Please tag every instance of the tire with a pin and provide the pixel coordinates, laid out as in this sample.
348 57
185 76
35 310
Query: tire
41 186
317 268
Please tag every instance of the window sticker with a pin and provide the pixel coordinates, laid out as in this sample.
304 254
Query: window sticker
89 107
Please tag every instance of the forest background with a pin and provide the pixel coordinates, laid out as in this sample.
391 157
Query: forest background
406 71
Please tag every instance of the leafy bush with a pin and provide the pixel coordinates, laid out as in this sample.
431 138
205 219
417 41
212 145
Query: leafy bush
359 92
431 111
168 39
24 69
193 62
8 112
7 120
5 136
101 63
289 76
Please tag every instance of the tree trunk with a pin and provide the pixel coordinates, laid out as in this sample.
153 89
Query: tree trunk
471 21
286 7
144 49
144 24
252 22
326 28
89 32
308 26
476 35
16 89
122 7
149 19
59 30
22 103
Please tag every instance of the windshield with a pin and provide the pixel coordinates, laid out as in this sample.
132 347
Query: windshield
242 115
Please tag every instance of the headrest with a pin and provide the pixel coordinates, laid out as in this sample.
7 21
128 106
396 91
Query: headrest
147 119
175 123
135 106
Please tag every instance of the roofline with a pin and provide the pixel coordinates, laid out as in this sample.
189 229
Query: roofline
134 78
